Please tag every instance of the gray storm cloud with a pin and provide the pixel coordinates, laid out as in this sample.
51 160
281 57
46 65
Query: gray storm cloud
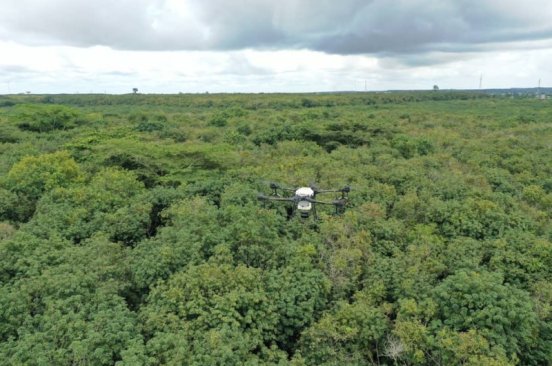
341 27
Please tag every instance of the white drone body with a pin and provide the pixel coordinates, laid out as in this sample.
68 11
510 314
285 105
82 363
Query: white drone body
303 206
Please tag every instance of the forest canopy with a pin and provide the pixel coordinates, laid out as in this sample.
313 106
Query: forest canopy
131 234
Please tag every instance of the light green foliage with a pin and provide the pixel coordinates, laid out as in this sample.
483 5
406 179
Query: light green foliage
32 176
41 118
45 118
350 335
113 203
212 303
131 233
6 230
469 348
346 252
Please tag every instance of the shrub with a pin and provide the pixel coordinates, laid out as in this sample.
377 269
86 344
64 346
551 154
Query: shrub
45 118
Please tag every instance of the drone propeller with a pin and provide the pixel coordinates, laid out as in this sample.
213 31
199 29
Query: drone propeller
275 186
314 187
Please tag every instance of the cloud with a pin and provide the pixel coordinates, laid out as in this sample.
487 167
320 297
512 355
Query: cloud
340 27
15 69
271 45
55 69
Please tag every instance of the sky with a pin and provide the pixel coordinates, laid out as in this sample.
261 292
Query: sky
197 46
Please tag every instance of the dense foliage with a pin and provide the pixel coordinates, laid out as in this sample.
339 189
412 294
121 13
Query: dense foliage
130 233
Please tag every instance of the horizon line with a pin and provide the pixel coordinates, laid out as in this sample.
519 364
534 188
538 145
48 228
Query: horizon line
291 92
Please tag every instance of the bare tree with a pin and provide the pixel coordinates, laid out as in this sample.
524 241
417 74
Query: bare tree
394 348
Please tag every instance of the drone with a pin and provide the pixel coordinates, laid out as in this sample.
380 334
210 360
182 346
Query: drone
304 198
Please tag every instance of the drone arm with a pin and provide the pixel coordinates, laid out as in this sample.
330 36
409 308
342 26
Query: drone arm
272 198
276 186
320 202
345 189
335 203
288 189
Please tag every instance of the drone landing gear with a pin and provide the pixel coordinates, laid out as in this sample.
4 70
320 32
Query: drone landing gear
290 211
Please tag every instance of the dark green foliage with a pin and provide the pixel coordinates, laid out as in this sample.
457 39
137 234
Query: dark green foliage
9 135
65 306
190 237
146 170
218 120
131 233
149 126
9 204
409 147
146 122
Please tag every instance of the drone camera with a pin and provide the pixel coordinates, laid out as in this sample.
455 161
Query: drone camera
304 206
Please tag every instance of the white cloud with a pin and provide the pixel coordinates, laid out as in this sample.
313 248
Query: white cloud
55 69
269 45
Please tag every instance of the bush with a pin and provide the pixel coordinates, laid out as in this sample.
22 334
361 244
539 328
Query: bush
218 120
45 118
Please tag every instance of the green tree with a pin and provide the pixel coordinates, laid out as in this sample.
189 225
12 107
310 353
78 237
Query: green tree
501 313
34 175
190 237
351 334
40 118
114 202
207 302
68 310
